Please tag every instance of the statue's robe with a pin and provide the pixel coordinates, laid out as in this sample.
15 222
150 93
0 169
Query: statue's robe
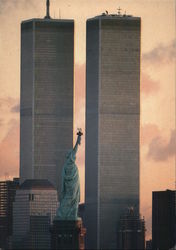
70 192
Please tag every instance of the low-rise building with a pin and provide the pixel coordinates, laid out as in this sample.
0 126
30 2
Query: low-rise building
35 207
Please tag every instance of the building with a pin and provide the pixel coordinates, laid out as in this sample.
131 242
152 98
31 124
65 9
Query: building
67 235
163 220
81 211
46 109
148 244
112 125
7 197
131 234
35 207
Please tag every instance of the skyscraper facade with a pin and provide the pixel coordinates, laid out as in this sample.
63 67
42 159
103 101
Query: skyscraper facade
164 220
7 197
35 207
112 125
47 65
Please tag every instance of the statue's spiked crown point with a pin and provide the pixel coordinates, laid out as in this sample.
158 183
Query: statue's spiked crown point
80 133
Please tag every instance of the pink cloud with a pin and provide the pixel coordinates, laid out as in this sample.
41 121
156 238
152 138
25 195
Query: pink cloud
148 85
9 152
79 84
8 102
148 132
79 121
15 108
161 149
161 55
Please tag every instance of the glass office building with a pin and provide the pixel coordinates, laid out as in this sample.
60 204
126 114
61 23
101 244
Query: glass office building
112 125
47 65
34 209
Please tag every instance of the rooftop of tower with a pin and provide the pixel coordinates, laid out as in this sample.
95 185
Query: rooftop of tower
37 184
48 20
47 17
106 15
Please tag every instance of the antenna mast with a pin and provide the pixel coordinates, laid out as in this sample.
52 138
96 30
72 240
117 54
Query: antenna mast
47 9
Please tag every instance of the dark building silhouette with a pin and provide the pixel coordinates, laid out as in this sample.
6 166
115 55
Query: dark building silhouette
131 232
81 211
67 235
163 220
149 245
112 152
7 197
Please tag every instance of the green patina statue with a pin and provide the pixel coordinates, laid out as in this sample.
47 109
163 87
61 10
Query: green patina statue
70 191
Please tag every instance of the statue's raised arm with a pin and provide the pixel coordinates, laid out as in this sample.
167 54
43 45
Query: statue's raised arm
70 191
78 141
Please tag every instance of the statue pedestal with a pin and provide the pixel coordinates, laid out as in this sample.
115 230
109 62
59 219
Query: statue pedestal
67 235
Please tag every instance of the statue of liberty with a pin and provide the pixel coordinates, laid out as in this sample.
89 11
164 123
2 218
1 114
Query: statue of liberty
70 190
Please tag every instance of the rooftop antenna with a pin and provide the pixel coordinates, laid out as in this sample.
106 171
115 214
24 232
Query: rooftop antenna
119 9
47 9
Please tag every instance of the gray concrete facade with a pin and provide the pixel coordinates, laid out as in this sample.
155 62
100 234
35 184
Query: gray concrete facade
47 86
112 125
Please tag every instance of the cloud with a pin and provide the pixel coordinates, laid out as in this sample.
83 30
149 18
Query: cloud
160 149
79 96
161 54
79 83
7 6
9 105
7 102
15 109
148 132
148 85
79 121
1 122
8 112
9 151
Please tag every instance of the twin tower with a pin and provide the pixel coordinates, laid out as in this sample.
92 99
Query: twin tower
112 113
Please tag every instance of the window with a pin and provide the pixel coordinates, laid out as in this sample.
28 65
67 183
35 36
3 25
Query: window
31 197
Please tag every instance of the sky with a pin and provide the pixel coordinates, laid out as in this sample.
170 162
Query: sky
158 54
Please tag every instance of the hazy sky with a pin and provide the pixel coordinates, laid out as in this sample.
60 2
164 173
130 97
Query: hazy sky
158 53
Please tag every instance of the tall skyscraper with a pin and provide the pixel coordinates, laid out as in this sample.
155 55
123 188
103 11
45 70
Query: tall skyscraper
7 197
112 125
164 220
35 207
47 65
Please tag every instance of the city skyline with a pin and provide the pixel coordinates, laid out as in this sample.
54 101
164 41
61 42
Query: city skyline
157 83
